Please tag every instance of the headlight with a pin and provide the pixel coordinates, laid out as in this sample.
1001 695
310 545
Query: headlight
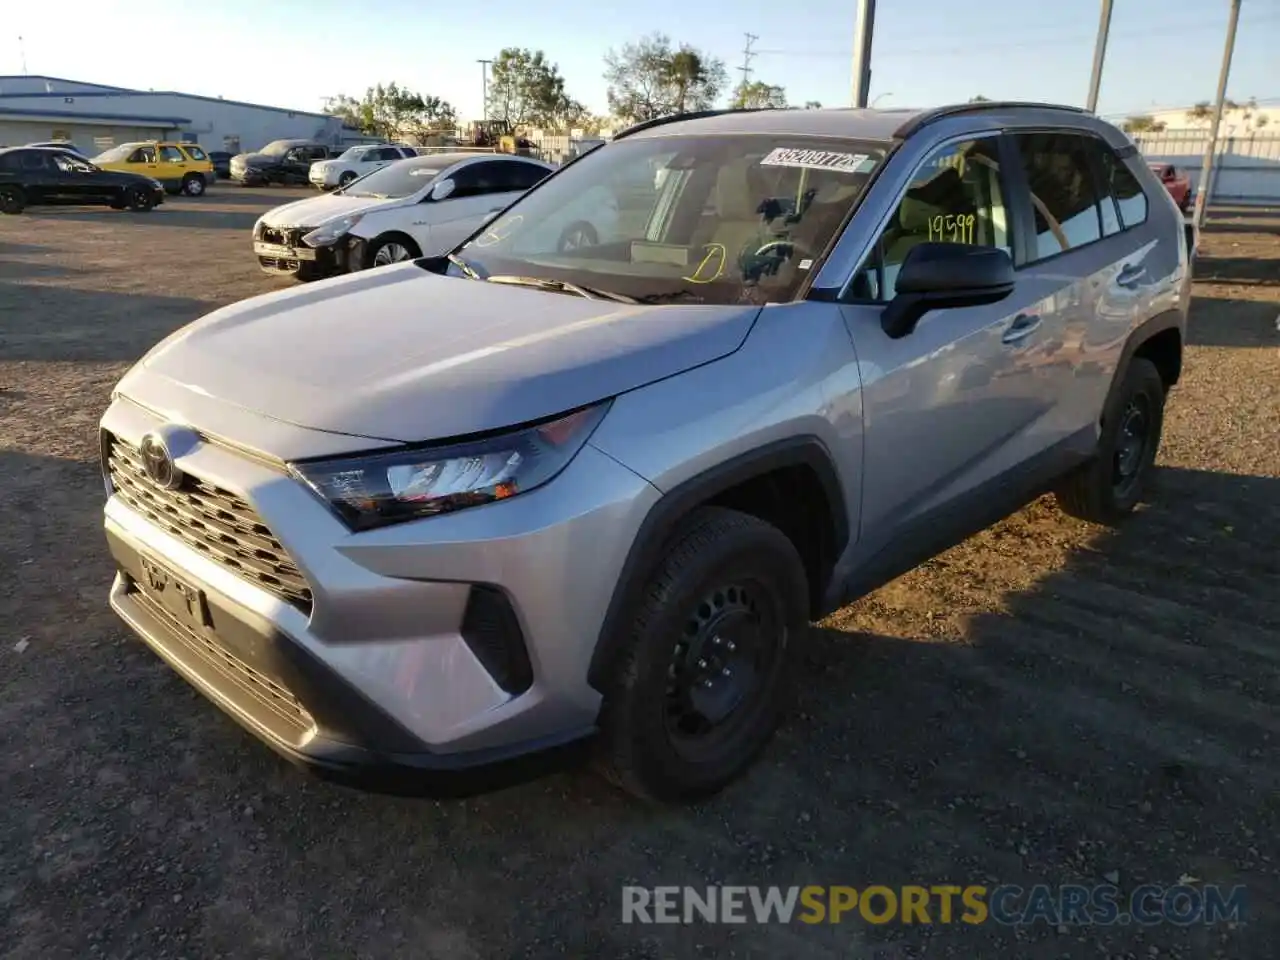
330 231
409 484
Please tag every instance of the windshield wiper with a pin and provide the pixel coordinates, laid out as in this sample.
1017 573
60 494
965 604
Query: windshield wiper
590 293
462 265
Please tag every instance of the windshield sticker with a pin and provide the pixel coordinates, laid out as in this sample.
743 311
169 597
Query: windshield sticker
814 159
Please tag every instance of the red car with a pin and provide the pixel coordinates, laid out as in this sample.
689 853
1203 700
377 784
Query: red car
1176 182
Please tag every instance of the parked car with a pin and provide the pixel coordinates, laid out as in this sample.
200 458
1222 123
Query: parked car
1177 182
44 176
356 162
66 145
469 510
221 161
180 167
281 161
407 209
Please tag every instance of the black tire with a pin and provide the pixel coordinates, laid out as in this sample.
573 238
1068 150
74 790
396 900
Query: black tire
386 244
193 185
346 177
307 273
1107 488
720 565
139 199
12 199
576 235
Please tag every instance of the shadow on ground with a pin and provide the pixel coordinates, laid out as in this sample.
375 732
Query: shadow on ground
165 215
93 325
1215 322
1118 717
1242 220
1254 271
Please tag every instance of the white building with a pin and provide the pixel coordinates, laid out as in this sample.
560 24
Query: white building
1240 122
95 116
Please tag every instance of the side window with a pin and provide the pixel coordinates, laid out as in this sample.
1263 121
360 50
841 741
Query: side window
476 180
143 155
195 153
1130 199
408 152
1062 195
956 196
171 155
33 160
319 153
388 153
522 176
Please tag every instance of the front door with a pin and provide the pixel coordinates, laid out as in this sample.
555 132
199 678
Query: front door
955 408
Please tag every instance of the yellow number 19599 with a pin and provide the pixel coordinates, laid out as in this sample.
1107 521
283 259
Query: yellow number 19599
946 228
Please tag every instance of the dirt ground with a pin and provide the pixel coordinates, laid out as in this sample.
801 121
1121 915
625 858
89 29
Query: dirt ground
1047 703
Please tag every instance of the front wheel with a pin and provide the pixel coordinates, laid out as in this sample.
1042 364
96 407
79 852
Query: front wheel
347 177
193 185
696 691
1109 486
388 250
12 199
139 199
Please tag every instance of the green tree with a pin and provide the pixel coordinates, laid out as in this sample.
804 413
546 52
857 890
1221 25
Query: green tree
391 111
1143 124
812 105
527 89
1201 112
651 78
979 98
758 95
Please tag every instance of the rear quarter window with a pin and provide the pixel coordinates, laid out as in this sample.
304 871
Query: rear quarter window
195 153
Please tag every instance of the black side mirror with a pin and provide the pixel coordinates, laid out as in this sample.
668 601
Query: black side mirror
937 276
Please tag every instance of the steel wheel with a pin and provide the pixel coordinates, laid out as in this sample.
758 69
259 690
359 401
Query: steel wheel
1134 436
731 643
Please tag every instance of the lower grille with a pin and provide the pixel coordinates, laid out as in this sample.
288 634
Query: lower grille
214 521
286 236
278 698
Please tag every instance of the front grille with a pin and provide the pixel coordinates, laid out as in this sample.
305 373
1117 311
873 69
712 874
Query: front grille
278 698
214 521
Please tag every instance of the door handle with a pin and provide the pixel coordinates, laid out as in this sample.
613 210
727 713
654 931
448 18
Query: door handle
1130 274
1023 325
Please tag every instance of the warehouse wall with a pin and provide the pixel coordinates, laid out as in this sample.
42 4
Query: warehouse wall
15 133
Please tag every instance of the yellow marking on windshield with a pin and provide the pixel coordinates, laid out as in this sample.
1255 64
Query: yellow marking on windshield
492 236
712 249
952 229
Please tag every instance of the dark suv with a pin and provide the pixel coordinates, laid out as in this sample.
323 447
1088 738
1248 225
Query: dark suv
281 161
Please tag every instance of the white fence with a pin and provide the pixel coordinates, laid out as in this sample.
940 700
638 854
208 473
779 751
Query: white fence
1246 168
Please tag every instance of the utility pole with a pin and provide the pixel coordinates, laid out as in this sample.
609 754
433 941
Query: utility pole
747 56
22 52
1099 56
1206 168
862 51
484 87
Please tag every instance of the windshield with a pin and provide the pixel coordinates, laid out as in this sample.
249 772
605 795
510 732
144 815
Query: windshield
400 178
277 148
116 153
352 153
713 219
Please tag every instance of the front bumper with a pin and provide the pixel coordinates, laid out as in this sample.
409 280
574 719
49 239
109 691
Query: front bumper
373 682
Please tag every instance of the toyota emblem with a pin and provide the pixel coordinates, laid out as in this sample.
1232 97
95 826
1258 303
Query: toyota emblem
158 462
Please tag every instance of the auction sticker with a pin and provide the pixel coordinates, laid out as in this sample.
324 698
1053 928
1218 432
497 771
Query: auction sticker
816 159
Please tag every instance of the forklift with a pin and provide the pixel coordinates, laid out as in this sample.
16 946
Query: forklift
499 136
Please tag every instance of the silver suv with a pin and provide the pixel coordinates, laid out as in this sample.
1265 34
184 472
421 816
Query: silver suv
428 523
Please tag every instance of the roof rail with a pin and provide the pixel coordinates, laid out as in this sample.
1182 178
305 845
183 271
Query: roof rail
677 117
959 109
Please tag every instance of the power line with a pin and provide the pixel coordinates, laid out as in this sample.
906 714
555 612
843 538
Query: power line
1011 45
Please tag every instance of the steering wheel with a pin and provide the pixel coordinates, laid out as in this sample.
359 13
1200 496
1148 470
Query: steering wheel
777 244
765 261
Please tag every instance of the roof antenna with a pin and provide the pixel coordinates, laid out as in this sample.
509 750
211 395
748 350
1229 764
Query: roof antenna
22 52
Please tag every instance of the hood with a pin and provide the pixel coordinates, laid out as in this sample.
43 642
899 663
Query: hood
254 159
400 354
314 211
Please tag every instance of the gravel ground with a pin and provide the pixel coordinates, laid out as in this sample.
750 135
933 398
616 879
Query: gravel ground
1048 702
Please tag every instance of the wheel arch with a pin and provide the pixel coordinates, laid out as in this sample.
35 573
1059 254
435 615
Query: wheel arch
396 234
798 465
1160 340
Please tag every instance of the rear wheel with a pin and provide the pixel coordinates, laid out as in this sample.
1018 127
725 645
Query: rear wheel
1109 486
139 199
12 199
193 184
396 248
698 689
346 177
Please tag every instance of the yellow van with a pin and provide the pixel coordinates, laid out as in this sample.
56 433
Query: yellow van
181 167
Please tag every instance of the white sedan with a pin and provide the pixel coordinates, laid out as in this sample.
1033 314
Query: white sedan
355 162
424 206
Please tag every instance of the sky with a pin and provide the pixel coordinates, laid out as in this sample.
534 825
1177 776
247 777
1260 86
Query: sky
294 53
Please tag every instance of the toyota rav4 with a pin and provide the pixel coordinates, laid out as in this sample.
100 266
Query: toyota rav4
440 518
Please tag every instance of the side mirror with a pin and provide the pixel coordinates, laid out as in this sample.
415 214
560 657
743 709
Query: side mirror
937 276
443 190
